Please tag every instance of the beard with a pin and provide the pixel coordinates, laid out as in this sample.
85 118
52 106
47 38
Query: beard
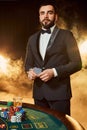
46 23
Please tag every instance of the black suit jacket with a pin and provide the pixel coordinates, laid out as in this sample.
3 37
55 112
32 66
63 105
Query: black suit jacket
63 55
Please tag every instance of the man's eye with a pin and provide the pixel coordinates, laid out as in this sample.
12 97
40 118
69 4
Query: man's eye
50 12
41 13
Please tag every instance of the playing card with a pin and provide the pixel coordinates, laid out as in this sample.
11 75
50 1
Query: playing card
37 70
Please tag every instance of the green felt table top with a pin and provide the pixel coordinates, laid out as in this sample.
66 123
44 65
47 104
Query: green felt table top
36 120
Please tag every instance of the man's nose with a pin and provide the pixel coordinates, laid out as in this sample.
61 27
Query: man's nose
46 15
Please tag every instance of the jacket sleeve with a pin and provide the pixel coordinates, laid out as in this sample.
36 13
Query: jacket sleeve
28 57
74 60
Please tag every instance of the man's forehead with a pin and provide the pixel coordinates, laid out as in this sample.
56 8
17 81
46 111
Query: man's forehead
46 8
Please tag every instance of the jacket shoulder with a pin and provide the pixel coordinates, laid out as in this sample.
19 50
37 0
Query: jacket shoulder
32 39
65 31
34 35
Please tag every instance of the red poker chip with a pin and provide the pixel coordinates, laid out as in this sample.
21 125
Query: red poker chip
2 126
16 109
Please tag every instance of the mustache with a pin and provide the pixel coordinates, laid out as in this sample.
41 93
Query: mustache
45 19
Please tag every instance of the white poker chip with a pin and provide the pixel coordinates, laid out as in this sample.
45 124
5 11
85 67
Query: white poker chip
13 119
2 114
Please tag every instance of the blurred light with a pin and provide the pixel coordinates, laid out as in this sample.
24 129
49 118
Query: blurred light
10 68
83 52
3 64
83 47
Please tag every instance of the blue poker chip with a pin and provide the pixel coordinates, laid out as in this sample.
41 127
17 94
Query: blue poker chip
22 111
20 107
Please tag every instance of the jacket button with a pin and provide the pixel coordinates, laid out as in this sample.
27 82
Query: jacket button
43 68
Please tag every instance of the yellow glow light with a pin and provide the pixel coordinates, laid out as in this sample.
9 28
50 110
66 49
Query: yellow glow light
3 64
83 51
83 48
10 68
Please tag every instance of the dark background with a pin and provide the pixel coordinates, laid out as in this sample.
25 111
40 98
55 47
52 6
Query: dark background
19 19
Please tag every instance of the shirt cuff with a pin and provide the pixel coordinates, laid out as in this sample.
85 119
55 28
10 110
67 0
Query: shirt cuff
55 72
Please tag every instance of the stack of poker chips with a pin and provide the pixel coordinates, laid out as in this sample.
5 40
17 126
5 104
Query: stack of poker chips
14 114
19 117
4 112
13 119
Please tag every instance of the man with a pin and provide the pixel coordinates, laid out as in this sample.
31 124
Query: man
51 58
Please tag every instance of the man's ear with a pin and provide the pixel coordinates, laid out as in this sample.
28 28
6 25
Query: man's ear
56 18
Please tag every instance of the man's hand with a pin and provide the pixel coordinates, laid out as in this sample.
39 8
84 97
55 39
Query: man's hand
32 75
46 75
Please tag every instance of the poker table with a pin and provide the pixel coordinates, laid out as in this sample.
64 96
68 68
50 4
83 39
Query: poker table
39 118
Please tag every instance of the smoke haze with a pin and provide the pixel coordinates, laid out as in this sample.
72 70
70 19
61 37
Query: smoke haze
15 82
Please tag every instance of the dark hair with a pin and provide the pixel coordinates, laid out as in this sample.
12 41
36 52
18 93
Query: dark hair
49 2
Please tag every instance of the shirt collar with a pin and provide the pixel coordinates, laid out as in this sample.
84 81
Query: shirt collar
52 28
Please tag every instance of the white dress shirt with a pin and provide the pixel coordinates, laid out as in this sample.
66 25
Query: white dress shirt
44 40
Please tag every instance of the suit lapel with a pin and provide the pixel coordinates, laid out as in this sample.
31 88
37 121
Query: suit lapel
37 46
39 57
51 42
52 38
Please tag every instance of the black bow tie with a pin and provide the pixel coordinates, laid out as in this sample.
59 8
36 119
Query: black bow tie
46 31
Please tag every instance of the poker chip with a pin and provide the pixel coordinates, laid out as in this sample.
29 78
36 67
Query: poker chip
2 126
13 114
22 111
13 119
9 104
19 117
5 114
18 114
2 114
20 107
16 109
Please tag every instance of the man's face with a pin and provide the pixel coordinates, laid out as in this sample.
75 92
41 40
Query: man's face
47 16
